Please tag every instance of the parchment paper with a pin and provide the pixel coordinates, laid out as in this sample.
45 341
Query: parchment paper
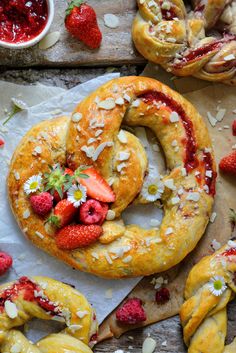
104 295
206 98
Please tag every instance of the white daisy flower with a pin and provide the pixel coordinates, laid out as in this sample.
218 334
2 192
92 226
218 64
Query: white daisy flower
152 189
217 285
33 184
76 195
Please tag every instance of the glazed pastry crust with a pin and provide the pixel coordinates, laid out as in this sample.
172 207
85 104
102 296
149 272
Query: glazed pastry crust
165 34
123 251
74 338
203 314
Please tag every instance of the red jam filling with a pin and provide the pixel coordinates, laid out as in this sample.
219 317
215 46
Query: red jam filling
27 288
230 252
198 53
190 161
210 181
22 20
167 14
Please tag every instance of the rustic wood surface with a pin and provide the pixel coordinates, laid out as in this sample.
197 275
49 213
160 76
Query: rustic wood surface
167 334
116 48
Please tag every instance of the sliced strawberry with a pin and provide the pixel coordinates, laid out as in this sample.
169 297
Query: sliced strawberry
64 213
97 187
77 236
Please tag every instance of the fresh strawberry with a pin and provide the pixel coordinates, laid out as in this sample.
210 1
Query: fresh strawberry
42 203
77 236
96 186
93 212
228 163
234 128
5 262
81 22
56 195
131 312
63 214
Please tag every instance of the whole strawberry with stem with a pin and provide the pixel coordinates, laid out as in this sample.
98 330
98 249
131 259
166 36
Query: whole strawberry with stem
81 22
228 164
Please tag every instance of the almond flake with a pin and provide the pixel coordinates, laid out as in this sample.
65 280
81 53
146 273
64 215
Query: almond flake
11 309
100 149
76 117
220 114
111 20
40 235
108 258
16 175
169 231
127 97
174 117
215 245
229 57
81 313
26 214
49 40
109 293
120 101
175 200
149 345
193 196
123 156
107 104
213 217
127 259
209 173
211 119
95 255
110 215
136 103
74 328
183 171
154 222
122 137
169 183
37 151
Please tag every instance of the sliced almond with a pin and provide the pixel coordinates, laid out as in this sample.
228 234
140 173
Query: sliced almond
49 40
149 345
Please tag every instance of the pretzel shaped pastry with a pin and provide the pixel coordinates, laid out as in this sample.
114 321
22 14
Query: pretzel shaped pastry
47 299
165 33
209 288
186 192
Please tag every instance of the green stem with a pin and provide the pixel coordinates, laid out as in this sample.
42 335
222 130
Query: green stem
11 115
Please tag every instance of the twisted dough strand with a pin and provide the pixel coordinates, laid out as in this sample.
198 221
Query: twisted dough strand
203 314
166 34
46 299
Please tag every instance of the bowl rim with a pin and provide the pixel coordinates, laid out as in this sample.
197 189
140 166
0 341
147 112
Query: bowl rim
39 37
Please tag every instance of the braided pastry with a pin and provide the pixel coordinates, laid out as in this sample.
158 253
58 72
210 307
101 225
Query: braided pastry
46 299
186 192
185 43
209 288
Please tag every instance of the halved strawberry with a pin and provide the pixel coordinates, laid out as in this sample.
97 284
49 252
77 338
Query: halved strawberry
96 186
64 213
77 236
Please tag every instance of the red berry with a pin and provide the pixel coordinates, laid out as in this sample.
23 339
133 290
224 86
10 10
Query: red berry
228 163
64 213
42 203
97 187
93 212
131 312
2 142
162 295
234 128
81 22
77 236
5 262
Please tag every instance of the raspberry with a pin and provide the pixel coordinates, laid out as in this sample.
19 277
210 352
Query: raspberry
93 212
5 262
42 203
131 312
162 295
2 142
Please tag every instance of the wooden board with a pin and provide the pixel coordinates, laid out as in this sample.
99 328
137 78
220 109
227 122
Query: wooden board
116 49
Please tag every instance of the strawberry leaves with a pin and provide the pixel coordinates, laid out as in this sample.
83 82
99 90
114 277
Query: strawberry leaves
57 180
72 4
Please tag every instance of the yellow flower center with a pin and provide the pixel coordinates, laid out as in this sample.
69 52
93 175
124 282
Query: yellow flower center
152 189
78 195
218 285
34 185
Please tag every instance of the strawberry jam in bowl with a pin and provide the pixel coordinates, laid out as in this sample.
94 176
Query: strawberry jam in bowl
23 23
